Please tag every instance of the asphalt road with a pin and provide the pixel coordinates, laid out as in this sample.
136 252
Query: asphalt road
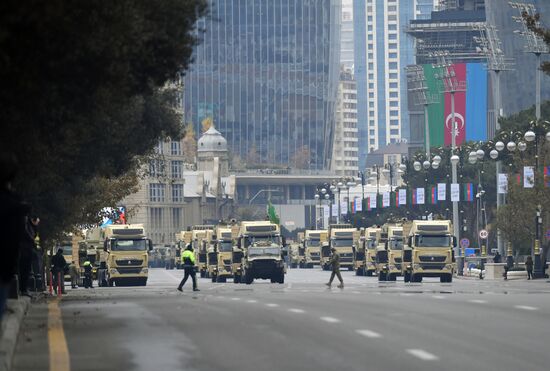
301 325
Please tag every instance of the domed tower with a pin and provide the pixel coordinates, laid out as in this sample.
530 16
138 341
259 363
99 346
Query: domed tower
212 145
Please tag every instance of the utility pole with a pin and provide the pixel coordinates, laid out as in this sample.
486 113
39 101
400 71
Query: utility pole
451 85
490 46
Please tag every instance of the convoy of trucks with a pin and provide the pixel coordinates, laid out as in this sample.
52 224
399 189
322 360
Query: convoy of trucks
252 250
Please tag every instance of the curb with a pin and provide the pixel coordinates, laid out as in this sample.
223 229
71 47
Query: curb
11 324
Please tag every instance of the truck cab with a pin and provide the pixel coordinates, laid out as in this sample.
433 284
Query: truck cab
199 242
313 242
343 239
126 246
262 246
182 239
395 251
222 254
382 254
359 255
431 243
370 245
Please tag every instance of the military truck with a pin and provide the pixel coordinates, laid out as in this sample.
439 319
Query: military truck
431 243
382 254
199 241
126 247
262 246
370 242
221 255
395 251
313 243
343 238
182 239
157 256
359 262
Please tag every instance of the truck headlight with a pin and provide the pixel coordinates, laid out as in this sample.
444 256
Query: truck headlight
449 266
113 271
144 270
416 266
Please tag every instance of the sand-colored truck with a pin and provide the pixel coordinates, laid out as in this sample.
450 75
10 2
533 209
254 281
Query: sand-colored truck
343 238
431 243
200 246
182 239
395 251
370 242
220 259
312 244
126 247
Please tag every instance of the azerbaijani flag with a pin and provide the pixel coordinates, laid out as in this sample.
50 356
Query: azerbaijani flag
368 204
414 196
433 195
547 176
396 198
468 192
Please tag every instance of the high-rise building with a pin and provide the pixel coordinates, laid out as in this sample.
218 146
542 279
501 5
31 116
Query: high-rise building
346 35
382 50
266 71
345 148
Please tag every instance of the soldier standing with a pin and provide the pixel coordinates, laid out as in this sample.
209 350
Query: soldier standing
188 261
335 262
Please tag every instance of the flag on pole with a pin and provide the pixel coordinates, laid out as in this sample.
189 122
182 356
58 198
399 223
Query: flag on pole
396 198
368 204
547 176
455 192
433 195
402 197
468 192
528 176
359 204
373 201
420 196
386 199
414 202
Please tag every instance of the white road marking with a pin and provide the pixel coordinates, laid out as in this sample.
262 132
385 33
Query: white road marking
355 292
438 297
406 294
272 305
368 333
296 310
236 299
252 301
330 319
525 307
477 301
422 354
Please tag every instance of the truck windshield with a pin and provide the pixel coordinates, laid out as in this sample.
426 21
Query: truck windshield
128 245
344 242
255 251
432 241
371 243
67 250
313 243
262 240
396 244
225 246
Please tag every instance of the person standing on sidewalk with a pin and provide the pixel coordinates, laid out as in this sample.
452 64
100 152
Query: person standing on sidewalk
335 263
59 265
188 261
529 267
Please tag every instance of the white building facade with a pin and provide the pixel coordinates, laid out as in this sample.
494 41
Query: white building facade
345 148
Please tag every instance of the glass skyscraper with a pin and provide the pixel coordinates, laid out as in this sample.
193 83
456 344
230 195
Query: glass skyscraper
267 73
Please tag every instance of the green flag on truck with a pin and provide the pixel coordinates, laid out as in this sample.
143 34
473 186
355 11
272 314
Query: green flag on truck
273 217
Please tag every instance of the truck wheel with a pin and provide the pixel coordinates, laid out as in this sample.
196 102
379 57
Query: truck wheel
382 277
142 282
281 279
214 278
221 279
392 277
237 279
369 273
293 265
110 282
407 277
203 273
416 278
309 265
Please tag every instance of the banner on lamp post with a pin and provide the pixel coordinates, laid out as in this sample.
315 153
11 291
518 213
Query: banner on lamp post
528 177
372 201
420 196
343 208
455 192
386 199
402 197
502 183
334 209
442 191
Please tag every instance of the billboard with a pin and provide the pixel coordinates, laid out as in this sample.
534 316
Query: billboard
470 109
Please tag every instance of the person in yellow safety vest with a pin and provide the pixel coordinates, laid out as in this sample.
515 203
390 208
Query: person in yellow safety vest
188 262
88 283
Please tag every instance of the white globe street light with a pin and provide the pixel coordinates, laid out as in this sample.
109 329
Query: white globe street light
472 157
426 165
454 159
499 146
494 154
435 165
511 146
480 154
437 159
417 166
522 146
548 136
530 136
402 167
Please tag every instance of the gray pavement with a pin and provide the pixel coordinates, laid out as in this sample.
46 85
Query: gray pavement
301 325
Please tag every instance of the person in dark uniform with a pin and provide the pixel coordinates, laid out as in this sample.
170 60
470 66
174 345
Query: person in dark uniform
529 267
335 263
59 266
188 262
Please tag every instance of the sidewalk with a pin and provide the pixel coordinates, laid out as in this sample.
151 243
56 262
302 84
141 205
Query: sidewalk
11 325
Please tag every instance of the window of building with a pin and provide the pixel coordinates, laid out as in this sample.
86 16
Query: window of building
371 66
392 8
393 75
394 122
371 76
369 18
392 65
371 141
176 218
371 95
371 132
392 36
159 148
371 122
394 131
392 17
394 113
177 167
156 192
369 28
394 94
371 85
393 85
155 214
370 47
175 148
156 168
371 113
392 46
394 103
370 56
369 37
392 55
392 27
371 104
177 192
